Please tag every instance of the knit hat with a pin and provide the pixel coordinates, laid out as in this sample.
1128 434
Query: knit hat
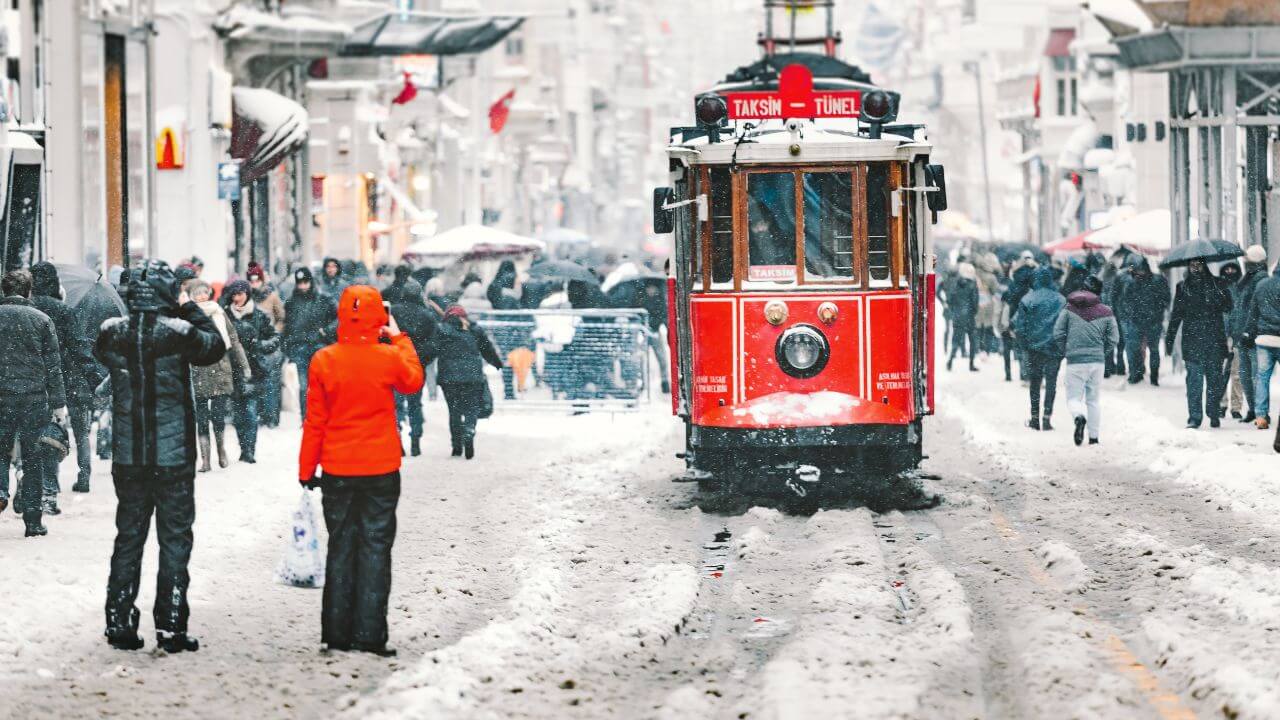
455 311
255 271
1255 254
235 287
302 274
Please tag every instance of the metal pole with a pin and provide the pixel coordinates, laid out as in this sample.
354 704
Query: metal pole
1230 164
982 133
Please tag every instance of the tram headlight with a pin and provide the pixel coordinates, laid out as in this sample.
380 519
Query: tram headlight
711 110
802 351
828 312
876 107
775 311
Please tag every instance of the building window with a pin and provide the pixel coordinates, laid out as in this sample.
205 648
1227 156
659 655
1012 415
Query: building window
515 46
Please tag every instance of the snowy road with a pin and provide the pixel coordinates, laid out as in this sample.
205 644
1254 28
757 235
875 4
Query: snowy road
562 574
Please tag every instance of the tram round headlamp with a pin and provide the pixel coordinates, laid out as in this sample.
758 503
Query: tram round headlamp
775 312
876 106
828 312
802 351
711 110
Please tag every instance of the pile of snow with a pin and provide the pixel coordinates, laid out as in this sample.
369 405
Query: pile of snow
1063 565
788 406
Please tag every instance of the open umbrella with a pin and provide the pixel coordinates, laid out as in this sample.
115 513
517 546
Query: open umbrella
1202 250
627 293
561 270
90 297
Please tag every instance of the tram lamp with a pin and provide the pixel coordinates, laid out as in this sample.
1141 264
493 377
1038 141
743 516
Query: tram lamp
712 113
775 312
802 351
877 109
828 312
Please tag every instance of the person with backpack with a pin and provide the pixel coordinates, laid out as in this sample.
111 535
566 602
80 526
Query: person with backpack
462 349
1086 332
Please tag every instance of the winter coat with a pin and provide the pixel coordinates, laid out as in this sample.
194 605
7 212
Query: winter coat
259 338
150 356
962 301
1264 310
1144 299
223 377
989 291
1021 283
1242 294
30 357
463 353
416 320
350 427
79 370
308 321
501 292
1037 315
1086 330
331 286
269 302
1199 305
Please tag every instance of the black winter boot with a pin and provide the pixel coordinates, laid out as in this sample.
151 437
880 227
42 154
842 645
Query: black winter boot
34 527
457 449
173 643
1045 424
415 446
124 639
1079 434
82 483
470 450
1034 423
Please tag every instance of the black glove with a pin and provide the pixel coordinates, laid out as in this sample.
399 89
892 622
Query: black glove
311 484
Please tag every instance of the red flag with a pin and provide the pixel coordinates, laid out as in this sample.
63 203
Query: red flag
500 111
408 92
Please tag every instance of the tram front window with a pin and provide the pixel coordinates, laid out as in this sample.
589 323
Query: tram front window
878 249
771 226
828 226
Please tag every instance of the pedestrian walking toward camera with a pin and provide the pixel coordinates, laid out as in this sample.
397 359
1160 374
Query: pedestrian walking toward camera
1263 332
309 316
149 355
1200 305
962 301
350 432
32 393
462 349
214 385
267 299
1034 324
1086 331
258 336
1143 297
419 322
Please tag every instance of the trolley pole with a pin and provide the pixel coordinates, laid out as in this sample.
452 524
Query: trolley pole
976 68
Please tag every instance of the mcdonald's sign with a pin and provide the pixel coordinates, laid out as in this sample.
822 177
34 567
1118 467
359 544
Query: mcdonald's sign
169 155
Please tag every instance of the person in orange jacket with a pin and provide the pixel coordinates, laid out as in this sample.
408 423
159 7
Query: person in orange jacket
350 432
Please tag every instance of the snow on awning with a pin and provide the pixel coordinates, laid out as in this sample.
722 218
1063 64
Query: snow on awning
267 128
409 33
1059 44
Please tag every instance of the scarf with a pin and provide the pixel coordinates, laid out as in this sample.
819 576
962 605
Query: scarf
219 318
240 313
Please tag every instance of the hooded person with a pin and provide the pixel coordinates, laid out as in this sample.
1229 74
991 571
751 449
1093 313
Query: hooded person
1200 305
350 432
1246 356
1085 332
417 321
1143 298
149 355
214 385
502 292
1034 324
258 336
80 373
962 302
309 317
332 280
462 348
267 300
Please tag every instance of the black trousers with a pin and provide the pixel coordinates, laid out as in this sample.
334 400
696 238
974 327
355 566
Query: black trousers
211 411
1042 367
360 514
959 335
464 401
21 420
81 415
169 494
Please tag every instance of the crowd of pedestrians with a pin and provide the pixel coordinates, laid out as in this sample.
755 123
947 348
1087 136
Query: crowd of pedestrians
1114 316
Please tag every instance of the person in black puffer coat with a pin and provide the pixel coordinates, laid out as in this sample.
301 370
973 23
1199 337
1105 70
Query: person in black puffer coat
400 274
463 349
418 322
962 302
310 323
149 355
502 294
80 374
258 336
1200 305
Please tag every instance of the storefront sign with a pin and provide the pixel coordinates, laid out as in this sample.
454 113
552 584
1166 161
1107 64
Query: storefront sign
229 180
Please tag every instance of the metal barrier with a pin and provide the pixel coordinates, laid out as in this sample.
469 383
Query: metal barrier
570 359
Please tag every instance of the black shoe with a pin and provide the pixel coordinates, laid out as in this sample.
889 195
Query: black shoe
973 368
1135 380
124 640
50 507
415 447
1045 424
470 451
379 650
1236 414
1033 423
1155 381
36 529
1249 417
247 457
82 485
173 643
1079 435
1215 422
1193 424
457 450
666 387
1093 441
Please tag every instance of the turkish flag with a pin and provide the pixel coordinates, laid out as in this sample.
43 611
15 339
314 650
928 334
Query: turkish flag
408 92
500 111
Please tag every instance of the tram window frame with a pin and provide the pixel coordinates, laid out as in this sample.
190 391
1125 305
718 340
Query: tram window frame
765 232
688 187
720 232
828 235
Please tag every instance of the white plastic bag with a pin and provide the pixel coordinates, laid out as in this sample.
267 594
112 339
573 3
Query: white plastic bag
304 556
289 389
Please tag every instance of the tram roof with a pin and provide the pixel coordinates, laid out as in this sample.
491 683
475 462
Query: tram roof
827 141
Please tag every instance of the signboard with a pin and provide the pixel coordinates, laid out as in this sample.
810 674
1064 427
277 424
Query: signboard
794 98
229 180
775 273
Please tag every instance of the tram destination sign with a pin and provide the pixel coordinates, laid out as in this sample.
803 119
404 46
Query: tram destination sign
770 105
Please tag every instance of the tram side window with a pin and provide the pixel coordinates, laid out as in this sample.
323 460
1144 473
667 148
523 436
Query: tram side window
879 261
721 226
828 225
771 226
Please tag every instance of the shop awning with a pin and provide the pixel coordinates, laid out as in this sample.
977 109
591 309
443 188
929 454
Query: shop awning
267 128
409 33
1059 44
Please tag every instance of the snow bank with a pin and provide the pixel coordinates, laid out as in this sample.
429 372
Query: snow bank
784 406
1064 565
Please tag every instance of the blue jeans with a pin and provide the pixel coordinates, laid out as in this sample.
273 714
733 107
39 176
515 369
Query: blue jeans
1204 379
244 415
410 406
1267 359
303 368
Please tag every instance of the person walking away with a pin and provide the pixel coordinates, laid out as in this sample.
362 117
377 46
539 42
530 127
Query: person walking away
258 336
987 267
1020 285
350 433
417 321
1242 301
400 275
1085 331
80 374
1114 276
308 319
332 280
1263 332
502 293
149 355
31 391
462 349
1034 324
963 303
1231 397
1199 305
266 298
214 384
1144 299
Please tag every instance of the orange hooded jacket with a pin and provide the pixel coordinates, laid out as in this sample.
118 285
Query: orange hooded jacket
350 428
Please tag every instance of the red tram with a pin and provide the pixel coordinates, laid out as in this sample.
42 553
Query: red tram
803 286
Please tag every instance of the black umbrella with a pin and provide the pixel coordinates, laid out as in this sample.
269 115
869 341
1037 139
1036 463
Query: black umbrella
628 291
561 270
90 297
1202 250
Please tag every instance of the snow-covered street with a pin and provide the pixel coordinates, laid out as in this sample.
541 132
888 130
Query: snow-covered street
563 574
